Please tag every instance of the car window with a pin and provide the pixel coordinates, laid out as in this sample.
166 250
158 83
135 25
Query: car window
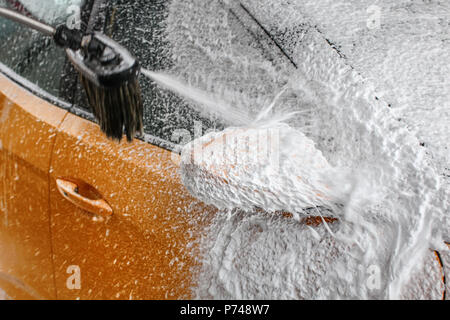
30 54
206 45
141 27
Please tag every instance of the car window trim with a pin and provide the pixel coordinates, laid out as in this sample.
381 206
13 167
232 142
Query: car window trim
148 138
41 93
33 88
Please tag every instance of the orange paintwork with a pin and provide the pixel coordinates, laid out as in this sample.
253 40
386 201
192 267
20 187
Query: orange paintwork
27 133
144 248
441 269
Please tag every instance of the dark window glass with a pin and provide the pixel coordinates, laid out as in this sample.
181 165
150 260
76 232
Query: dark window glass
141 27
216 46
30 54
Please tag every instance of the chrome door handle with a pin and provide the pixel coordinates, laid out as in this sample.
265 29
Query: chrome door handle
83 196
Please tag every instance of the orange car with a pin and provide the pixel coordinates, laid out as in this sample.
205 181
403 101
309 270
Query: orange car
83 217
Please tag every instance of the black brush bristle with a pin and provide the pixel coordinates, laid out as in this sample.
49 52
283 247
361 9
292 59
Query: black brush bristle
119 110
109 74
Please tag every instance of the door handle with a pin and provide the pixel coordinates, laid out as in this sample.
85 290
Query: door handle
84 196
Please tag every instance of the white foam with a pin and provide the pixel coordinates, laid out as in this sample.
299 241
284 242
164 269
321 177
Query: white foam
275 167
249 254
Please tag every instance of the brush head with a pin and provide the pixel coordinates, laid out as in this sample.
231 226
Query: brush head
109 74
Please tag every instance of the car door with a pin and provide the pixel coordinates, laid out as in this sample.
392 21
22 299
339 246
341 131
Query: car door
144 248
29 66
123 226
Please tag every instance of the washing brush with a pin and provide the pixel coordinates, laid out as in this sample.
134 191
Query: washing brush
108 72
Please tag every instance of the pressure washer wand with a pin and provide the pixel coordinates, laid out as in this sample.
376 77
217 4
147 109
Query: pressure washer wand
62 35
108 72
29 22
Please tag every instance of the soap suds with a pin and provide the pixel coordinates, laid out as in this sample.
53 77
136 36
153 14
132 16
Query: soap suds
248 254
276 168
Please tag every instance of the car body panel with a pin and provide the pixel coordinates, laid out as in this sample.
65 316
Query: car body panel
145 249
27 132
